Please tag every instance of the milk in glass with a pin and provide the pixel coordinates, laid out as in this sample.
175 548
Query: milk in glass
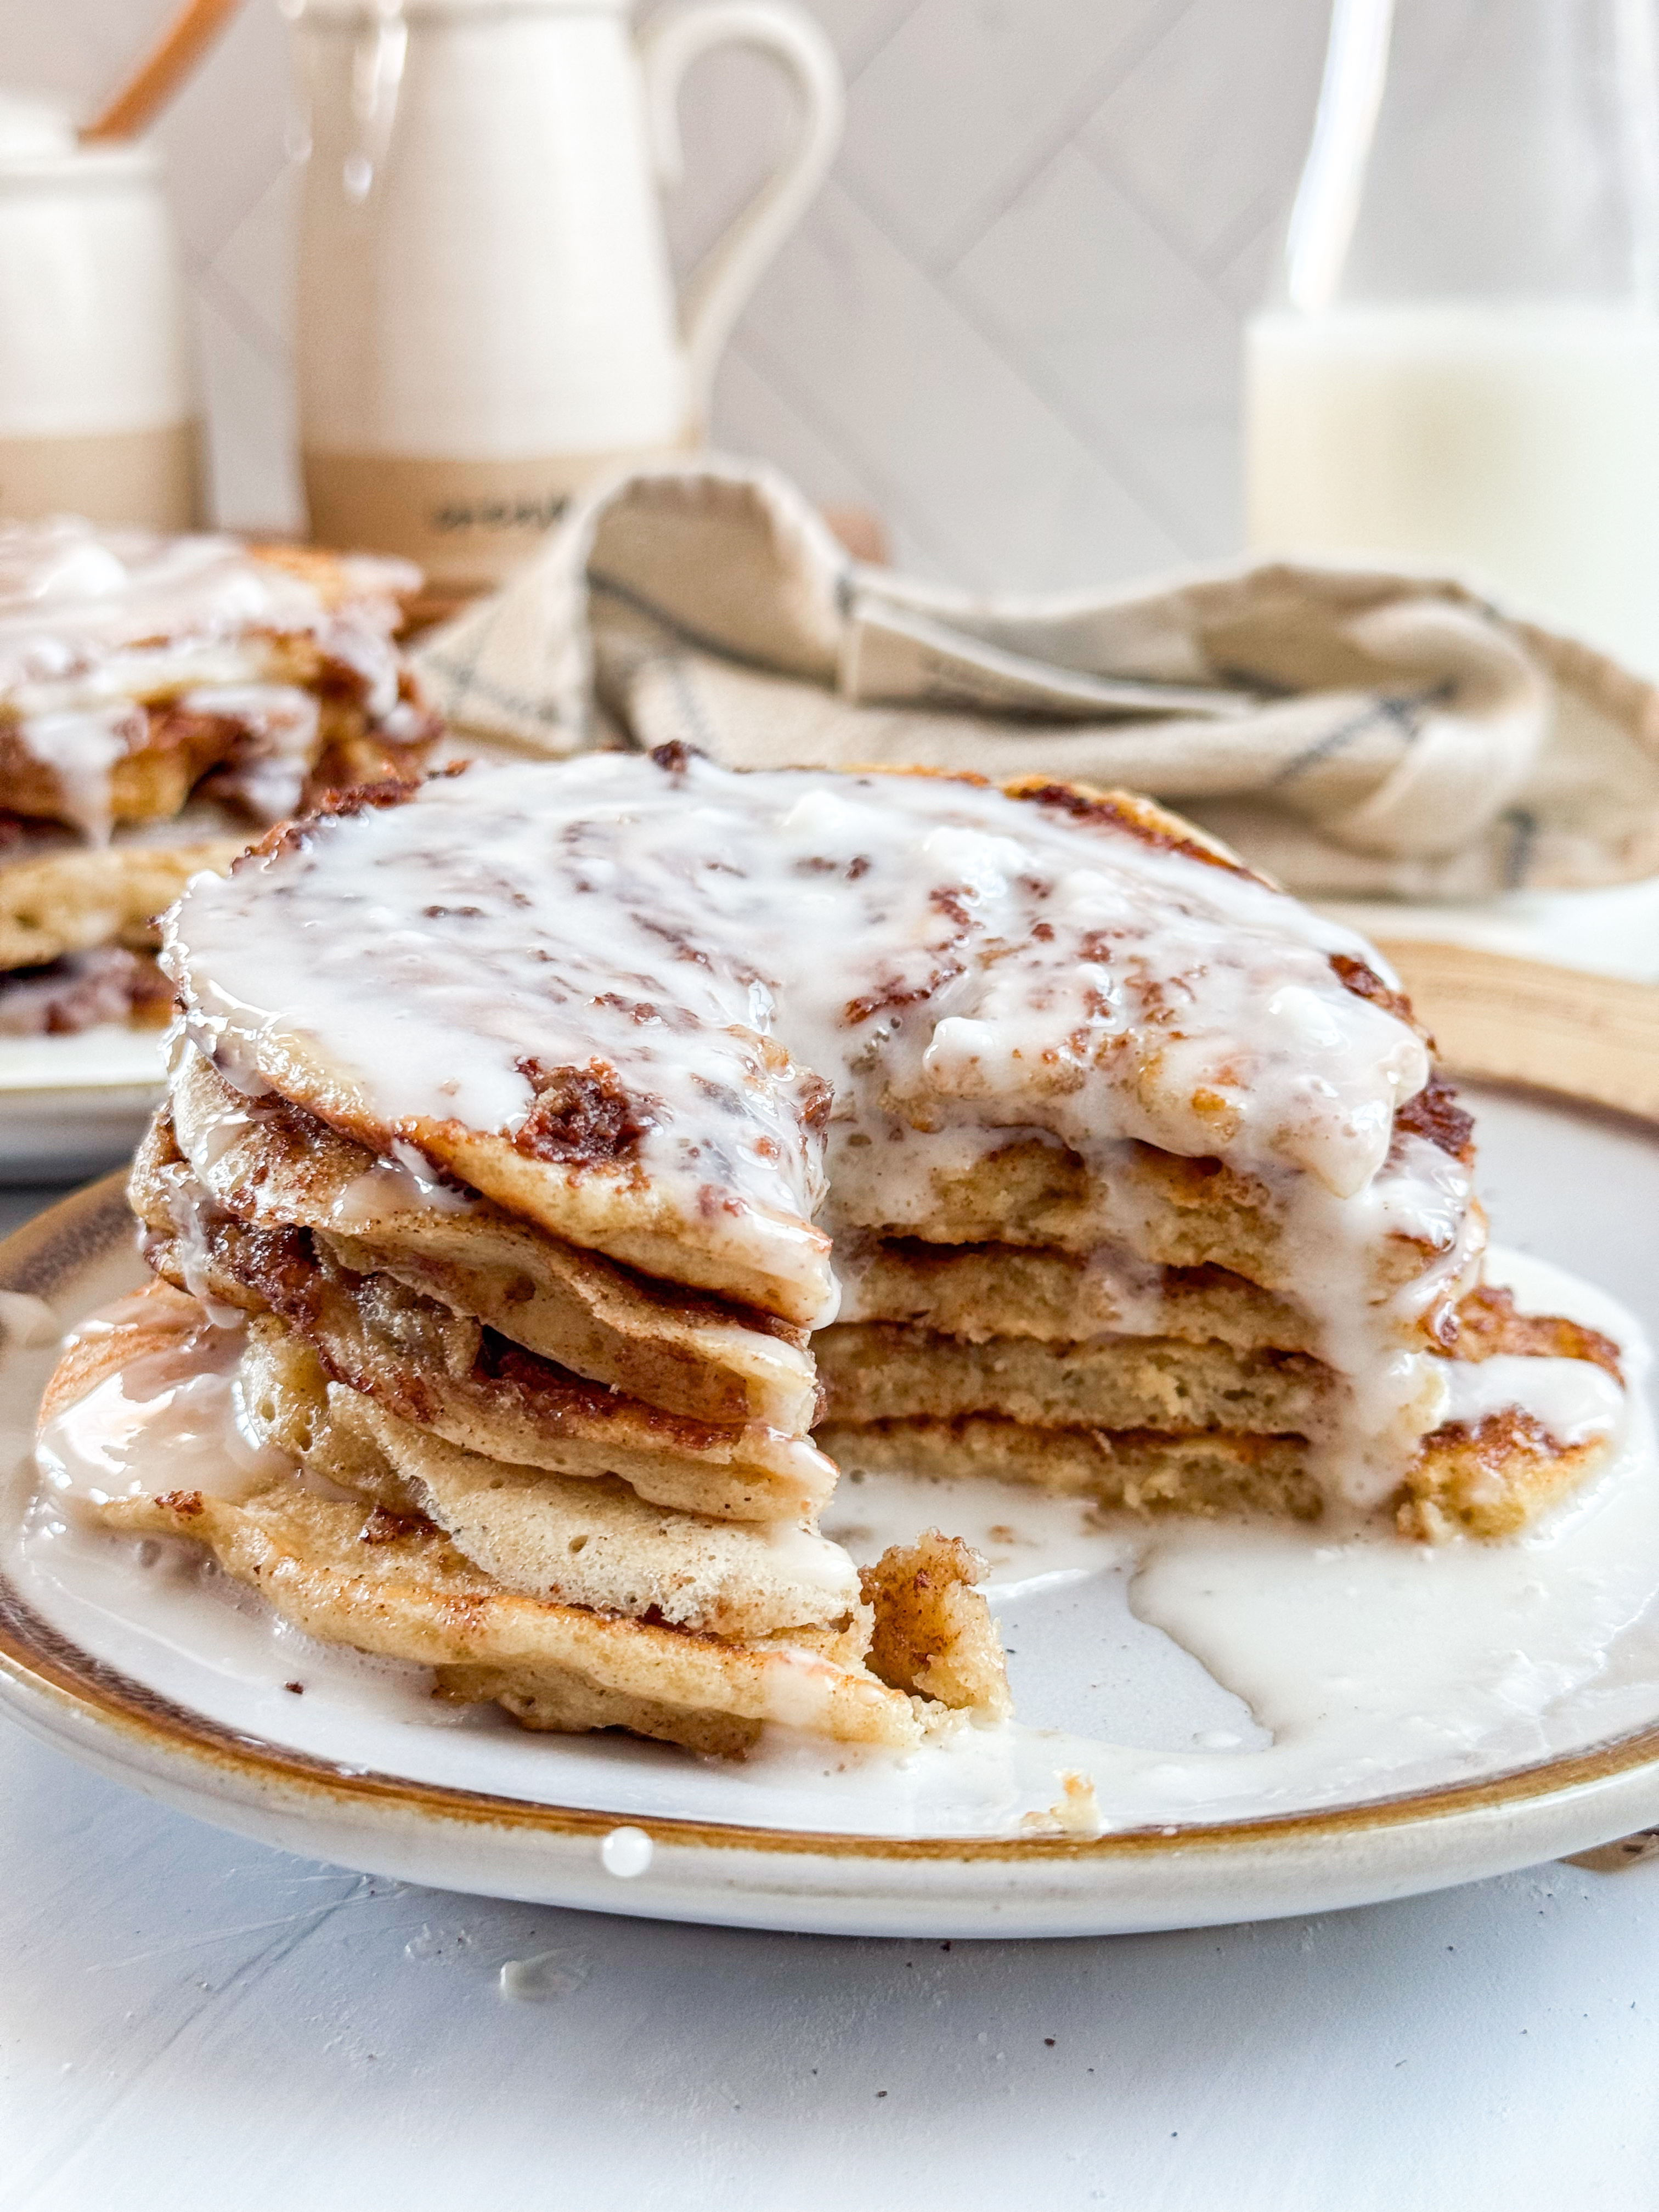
1518 444
1459 365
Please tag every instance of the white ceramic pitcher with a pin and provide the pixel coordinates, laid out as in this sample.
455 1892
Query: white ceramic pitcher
486 316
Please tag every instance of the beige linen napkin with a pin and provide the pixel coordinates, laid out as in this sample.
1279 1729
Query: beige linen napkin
1355 731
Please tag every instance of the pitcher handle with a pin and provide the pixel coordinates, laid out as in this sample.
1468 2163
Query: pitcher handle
718 288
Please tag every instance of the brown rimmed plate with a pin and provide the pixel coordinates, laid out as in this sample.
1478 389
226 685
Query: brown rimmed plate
1587 1183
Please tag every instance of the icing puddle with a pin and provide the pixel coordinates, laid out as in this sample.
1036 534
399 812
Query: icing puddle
1164 1673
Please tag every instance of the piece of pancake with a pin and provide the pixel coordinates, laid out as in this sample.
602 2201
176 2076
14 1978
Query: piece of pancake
933 1634
1490 1477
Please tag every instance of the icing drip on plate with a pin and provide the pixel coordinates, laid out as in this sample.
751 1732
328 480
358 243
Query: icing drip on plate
170 1420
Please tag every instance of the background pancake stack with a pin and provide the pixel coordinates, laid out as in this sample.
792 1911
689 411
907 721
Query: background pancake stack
161 698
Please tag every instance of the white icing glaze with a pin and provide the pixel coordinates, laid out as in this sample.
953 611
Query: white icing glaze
1370 1665
92 619
185 1200
963 969
278 722
401 1183
169 1420
80 746
1571 1399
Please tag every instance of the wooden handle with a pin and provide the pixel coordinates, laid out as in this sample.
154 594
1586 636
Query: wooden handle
1520 1021
162 70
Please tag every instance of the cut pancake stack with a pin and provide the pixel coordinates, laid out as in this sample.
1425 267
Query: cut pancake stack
533 1129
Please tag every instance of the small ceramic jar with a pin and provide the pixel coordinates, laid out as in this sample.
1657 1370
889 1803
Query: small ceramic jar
97 403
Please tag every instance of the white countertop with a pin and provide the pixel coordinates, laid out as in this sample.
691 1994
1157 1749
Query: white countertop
189 2021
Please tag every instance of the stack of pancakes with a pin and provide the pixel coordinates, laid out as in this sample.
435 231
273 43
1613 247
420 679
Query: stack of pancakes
159 698
525 1126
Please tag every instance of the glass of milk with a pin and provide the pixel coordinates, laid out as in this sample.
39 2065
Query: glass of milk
1460 365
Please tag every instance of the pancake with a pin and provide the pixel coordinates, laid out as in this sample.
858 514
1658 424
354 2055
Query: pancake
579 1163
402 1589
1142 1471
877 1371
974 1291
73 900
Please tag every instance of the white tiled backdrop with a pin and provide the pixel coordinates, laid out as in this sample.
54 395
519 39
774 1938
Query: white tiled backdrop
1010 323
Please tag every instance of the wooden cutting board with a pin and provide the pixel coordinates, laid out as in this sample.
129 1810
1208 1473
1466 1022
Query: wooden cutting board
1587 1036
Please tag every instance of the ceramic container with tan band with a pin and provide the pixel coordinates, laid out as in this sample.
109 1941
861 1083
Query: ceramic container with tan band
97 400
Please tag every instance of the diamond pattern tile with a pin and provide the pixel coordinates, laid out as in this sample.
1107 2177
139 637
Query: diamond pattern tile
1131 346
1197 132
978 472
947 116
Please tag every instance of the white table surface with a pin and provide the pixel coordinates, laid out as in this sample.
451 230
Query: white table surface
187 2020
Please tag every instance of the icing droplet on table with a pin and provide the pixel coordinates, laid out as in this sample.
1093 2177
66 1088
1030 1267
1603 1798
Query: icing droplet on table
549 1974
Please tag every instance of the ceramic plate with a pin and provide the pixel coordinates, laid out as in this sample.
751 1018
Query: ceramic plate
177 1684
72 1106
